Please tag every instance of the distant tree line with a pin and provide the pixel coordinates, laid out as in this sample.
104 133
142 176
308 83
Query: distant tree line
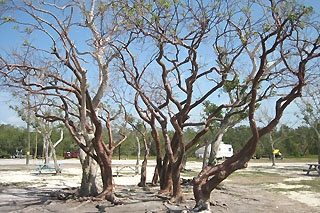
291 142
296 142
13 139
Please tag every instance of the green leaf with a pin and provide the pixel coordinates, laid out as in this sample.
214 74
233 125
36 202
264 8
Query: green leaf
26 43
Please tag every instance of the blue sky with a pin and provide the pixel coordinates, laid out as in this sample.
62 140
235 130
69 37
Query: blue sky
10 39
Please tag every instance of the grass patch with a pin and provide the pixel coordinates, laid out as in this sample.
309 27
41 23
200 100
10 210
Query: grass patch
146 189
14 184
246 178
132 190
313 185
310 185
10 170
287 190
69 175
189 173
254 174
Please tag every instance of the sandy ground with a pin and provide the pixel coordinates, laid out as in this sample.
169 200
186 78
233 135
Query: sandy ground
259 188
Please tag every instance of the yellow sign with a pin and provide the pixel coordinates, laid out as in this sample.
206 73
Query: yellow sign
28 153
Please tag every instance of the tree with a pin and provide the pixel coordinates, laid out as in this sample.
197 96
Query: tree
229 118
11 139
310 111
286 27
261 51
140 128
39 125
273 141
60 65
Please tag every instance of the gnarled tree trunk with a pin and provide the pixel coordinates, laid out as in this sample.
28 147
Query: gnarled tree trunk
202 185
89 186
144 163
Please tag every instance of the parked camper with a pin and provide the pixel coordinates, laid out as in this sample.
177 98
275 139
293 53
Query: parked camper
224 151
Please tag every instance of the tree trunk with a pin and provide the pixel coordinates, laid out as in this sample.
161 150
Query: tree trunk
184 162
36 148
177 195
104 161
318 149
205 158
202 197
89 185
53 147
144 164
214 149
53 151
103 157
138 156
158 168
273 156
156 174
202 185
46 150
143 177
165 176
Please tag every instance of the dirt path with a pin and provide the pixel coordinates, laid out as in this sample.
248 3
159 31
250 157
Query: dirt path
256 189
229 199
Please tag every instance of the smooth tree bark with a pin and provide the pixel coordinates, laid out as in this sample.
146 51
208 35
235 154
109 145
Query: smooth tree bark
46 131
138 156
57 142
89 186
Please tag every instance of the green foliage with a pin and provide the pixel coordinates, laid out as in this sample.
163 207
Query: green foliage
25 43
237 137
295 142
231 85
14 138
291 142
8 19
210 108
11 138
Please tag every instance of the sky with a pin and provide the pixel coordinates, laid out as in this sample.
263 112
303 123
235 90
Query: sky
9 39
7 115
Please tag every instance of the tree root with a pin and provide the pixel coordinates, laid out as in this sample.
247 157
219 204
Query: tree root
177 199
65 195
202 206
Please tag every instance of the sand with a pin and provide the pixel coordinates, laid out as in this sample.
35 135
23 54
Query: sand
23 189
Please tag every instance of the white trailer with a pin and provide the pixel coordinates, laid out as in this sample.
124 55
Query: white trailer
224 151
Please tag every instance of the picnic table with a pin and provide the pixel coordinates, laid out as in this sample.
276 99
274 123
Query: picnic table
313 167
47 167
120 168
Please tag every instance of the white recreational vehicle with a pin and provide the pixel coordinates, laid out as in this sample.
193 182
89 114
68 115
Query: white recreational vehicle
224 151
